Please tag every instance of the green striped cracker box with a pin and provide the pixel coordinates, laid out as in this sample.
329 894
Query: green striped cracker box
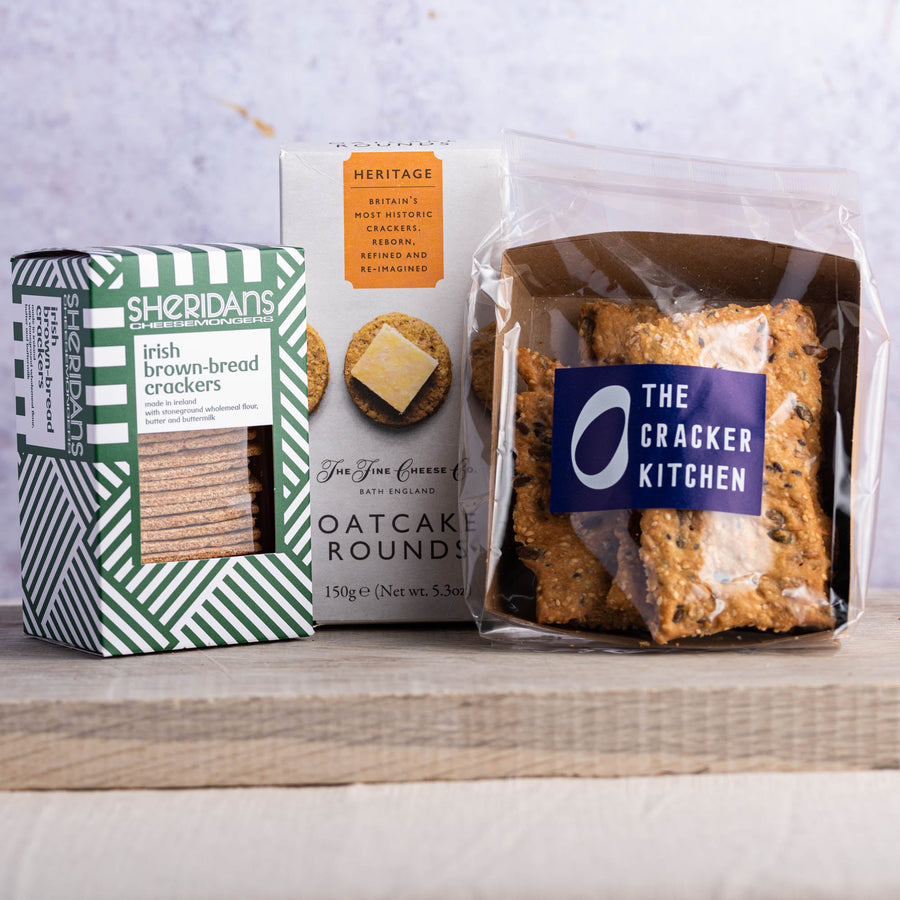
163 458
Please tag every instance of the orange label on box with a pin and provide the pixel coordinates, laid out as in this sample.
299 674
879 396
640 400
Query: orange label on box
393 220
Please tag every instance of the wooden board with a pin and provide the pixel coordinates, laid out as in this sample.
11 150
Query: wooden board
410 704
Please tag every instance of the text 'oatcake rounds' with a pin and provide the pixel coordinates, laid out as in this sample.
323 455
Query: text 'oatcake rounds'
398 369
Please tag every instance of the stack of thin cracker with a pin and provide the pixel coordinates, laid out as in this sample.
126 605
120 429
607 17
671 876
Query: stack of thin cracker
199 494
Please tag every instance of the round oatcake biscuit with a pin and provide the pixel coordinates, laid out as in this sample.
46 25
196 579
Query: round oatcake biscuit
316 367
481 357
432 393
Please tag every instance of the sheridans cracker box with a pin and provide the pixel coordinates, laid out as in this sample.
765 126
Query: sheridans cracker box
161 407
389 231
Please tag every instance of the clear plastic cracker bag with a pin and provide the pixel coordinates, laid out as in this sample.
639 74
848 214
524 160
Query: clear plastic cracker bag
676 376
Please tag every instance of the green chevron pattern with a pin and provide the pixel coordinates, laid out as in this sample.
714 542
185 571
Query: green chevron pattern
59 544
293 392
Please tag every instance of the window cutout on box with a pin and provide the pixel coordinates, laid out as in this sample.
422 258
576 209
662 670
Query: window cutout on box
206 494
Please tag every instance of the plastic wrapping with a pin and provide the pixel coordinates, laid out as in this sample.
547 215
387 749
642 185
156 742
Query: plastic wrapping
677 374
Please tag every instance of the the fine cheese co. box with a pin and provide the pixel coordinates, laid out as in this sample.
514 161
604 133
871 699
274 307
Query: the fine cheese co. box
389 231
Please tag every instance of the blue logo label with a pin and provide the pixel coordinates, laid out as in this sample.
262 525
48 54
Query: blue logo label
656 436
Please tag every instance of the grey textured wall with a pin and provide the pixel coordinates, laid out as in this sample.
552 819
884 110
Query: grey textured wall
149 122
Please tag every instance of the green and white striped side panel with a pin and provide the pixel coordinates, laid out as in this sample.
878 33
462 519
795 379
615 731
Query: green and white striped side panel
58 520
293 403
58 499
94 594
51 272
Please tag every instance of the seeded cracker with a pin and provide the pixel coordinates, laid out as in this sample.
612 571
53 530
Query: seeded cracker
709 571
603 327
572 584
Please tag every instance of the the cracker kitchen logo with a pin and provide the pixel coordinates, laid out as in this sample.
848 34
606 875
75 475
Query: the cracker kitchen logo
657 436
202 308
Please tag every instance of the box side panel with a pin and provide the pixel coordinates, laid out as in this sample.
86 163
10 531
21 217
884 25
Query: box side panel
291 412
58 491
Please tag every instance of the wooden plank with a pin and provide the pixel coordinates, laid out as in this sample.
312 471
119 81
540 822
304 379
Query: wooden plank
407 704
